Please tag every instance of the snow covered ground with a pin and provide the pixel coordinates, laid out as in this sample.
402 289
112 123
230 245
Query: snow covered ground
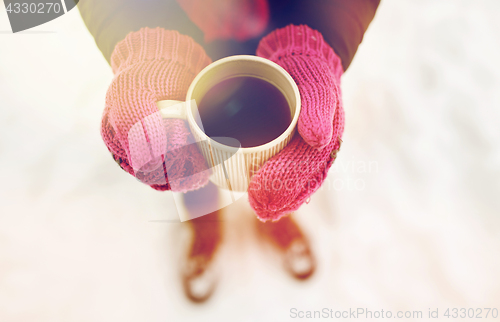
410 219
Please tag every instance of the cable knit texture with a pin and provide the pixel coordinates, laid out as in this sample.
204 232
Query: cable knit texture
151 65
228 19
287 180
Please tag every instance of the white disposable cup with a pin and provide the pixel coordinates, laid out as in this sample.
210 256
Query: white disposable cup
233 167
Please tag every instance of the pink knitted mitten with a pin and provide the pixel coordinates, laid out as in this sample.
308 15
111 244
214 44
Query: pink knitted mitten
288 179
151 65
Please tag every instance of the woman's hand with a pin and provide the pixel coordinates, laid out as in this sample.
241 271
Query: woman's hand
288 179
151 65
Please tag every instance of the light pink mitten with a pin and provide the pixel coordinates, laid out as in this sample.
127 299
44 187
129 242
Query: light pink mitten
151 65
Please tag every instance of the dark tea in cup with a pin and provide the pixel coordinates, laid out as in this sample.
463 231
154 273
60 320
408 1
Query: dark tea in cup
248 109
238 101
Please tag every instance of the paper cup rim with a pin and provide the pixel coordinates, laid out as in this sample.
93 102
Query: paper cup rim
269 145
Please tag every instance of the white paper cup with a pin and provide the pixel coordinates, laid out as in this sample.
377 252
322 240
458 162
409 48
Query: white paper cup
232 168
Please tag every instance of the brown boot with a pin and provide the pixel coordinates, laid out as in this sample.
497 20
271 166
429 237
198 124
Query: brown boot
199 278
288 238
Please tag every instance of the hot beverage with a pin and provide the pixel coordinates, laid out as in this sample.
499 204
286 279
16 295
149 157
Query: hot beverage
248 109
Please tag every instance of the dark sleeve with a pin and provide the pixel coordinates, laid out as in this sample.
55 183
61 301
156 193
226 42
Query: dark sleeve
342 22
109 21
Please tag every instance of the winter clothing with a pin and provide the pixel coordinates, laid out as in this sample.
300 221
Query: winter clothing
149 66
314 41
287 180
228 19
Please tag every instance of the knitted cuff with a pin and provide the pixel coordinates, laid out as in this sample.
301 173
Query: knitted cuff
158 44
299 40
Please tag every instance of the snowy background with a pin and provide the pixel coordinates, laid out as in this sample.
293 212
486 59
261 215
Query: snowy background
410 219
